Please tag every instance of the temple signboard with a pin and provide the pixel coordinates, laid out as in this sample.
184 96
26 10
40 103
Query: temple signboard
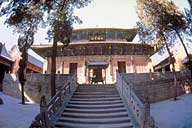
97 37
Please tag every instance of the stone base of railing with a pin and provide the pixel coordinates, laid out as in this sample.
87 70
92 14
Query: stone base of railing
139 110
37 123
150 123
50 111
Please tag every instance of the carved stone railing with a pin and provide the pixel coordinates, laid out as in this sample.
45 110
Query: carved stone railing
49 112
139 110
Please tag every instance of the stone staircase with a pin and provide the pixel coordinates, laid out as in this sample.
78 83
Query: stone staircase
95 106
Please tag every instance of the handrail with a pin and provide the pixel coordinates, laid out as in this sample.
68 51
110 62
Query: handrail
56 102
141 111
49 112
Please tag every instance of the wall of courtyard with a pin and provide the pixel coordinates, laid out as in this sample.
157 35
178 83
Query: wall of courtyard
36 85
156 86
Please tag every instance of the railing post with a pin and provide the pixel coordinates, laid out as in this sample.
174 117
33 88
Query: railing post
129 93
69 84
122 84
148 120
60 99
43 112
146 112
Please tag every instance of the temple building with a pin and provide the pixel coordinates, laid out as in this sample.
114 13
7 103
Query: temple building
95 54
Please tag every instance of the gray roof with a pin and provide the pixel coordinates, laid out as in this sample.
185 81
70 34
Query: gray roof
35 59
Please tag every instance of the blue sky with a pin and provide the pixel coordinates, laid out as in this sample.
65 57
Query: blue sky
100 13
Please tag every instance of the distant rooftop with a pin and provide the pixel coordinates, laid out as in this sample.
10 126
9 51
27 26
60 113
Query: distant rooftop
35 59
4 53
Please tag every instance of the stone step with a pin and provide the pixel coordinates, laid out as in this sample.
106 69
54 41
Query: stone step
93 111
95 106
94 121
96 99
96 84
94 96
95 93
72 125
95 102
95 87
96 115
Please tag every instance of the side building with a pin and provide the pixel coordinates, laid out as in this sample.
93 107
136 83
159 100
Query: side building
35 63
6 63
161 61
95 54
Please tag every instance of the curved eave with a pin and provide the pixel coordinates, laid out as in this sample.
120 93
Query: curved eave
99 42
6 58
112 29
88 43
6 62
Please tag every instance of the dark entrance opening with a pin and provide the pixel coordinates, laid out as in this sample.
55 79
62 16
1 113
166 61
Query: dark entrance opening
97 75
73 68
121 67
97 72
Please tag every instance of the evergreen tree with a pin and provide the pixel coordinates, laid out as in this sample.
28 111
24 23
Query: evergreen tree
163 16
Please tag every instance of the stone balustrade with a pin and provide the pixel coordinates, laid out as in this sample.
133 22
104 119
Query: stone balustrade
49 111
140 110
139 90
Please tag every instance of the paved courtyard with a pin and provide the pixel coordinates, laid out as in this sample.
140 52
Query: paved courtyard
15 115
173 114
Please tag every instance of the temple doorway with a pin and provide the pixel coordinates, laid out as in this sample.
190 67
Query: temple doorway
73 68
121 66
97 72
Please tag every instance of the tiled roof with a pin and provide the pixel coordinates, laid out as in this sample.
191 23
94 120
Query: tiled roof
35 59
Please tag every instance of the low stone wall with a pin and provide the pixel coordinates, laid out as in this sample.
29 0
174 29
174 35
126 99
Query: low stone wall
156 86
11 86
35 86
